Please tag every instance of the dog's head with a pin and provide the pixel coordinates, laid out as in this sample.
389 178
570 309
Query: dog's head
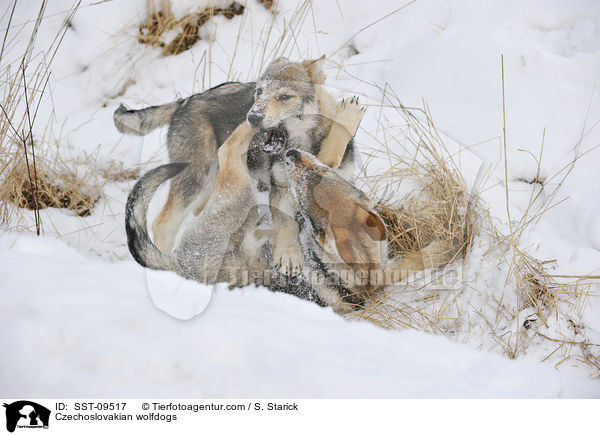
339 213
286 96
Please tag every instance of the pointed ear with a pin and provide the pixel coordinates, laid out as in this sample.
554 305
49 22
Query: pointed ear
315 69
371 222
280 59
341 236
275 65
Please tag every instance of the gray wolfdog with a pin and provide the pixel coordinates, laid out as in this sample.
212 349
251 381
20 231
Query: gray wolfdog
287 106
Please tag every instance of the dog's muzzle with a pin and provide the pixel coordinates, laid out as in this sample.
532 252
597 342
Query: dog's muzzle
274 140
292 155
255 118
297 168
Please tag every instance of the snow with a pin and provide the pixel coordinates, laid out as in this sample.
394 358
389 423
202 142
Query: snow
88 333
82 316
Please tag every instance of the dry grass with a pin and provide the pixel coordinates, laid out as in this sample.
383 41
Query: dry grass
72 184
58 185
542 302
161 22
267 3
534 304
537 290
438 213
434 213
439 208
25 81
33 175
116 172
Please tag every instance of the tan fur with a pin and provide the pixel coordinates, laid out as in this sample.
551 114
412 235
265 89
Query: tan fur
232 158
174 210
314 69
356 230
356 227
327 110
285 90
302 78
160 227
342 129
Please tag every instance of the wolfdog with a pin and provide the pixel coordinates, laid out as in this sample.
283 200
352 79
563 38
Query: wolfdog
223 238
343 237
287 106
344 242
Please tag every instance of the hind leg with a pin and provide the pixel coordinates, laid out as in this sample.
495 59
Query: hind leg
196 144
169 219
188 192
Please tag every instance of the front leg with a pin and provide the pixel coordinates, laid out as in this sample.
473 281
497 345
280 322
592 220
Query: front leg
346 120
287 254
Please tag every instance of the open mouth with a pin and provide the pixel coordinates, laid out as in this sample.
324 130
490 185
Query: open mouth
274 140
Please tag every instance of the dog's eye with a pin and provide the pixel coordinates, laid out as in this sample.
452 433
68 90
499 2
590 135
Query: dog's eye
284 97
258 92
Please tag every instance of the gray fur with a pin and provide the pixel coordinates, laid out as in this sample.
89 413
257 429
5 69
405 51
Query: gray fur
199 127
205 254
141 247
201 123
141 122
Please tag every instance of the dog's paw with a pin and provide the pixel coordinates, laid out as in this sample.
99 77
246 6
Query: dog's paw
288 260
349 113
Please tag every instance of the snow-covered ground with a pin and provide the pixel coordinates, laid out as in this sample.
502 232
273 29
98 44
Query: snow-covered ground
77 317
92 332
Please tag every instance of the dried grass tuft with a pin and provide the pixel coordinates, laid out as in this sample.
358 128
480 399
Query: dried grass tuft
439 210
71 184
33 175
58 186
533 309
438 214
268 4
117 172
161 23
74 184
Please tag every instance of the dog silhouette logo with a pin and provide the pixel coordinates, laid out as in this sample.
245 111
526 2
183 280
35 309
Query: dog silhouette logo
26 414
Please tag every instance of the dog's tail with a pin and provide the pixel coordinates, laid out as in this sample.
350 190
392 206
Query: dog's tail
141 247
143 121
